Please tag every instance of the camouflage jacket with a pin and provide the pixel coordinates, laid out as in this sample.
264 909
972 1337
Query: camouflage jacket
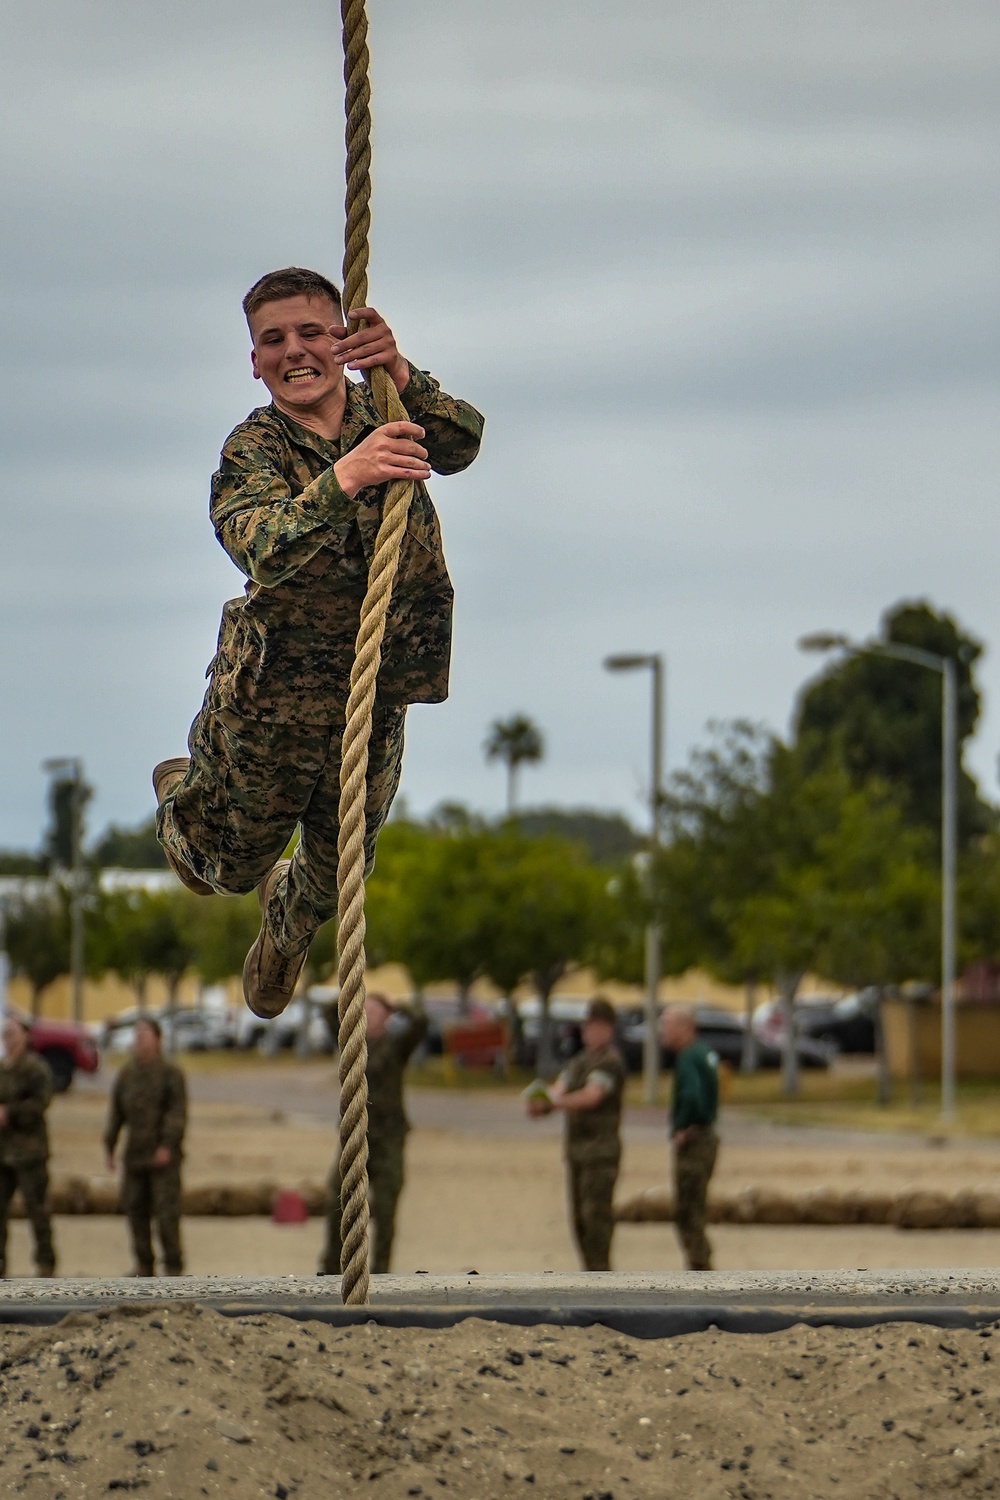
25 1091
286 648
387 1059
592 1134
150 1101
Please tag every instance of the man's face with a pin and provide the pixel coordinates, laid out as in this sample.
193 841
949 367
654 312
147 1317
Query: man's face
146 1043
597 1034
676 1030
293 352
15 1039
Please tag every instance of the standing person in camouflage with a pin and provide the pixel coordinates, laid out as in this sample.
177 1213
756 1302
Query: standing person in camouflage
25 1092
296 503
694 1104
394 1033
589 1091
149 1100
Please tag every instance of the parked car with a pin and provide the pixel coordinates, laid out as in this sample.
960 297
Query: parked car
567 1013
67 1047
723 1032
846 1026
303 1025
185 1029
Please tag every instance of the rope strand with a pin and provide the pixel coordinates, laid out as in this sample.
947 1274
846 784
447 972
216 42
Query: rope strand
357 732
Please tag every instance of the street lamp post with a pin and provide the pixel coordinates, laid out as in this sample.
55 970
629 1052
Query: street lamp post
945 666
61 765
651 1041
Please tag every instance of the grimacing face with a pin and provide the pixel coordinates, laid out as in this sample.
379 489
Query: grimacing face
293 351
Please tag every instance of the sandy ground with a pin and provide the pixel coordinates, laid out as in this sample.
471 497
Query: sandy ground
485 1188
187 1403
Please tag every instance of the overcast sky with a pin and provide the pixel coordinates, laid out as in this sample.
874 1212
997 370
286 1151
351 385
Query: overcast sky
722 277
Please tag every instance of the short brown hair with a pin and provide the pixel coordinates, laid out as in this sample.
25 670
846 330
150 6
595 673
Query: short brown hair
293 281
601 1009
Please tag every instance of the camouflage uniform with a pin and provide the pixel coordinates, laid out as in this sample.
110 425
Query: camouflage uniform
25 1091
150 1101
693 1108
593 1152
387 1130
265 747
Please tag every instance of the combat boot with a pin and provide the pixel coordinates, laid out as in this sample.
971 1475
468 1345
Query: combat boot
165 777
270 976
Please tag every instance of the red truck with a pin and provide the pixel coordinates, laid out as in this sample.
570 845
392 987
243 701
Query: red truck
66 1046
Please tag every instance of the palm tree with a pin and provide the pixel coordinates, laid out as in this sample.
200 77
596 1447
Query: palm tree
514 740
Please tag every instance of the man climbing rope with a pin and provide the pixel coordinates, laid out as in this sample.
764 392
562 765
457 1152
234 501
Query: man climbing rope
296 503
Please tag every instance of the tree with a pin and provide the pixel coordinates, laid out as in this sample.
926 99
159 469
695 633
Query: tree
129 848
140 933
881 718
36 935
220 930
607 837
544 906
516 741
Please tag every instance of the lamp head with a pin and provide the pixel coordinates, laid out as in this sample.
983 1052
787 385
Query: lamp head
626 663
824 640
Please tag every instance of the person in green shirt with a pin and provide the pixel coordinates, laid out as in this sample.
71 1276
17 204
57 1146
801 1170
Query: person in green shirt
694 1104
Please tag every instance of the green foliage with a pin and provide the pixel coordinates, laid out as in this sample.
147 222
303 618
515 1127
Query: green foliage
129 848
220 930
607 837
137 933
37 932
67 803
880 718
515 741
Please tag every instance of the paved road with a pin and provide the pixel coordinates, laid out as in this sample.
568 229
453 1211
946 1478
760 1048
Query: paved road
308 1092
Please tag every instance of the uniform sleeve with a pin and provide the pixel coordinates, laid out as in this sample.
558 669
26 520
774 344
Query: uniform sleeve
688 1105
453 428
116 1117
417 1023
28 1111
267 531
174 1121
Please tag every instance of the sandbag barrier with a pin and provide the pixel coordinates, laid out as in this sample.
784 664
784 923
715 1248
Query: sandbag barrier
917 1208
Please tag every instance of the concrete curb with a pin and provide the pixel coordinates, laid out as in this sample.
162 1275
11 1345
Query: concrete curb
645 1306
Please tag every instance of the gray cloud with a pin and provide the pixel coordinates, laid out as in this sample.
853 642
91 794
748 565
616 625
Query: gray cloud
722 278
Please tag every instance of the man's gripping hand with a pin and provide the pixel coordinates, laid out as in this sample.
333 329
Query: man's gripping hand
392 451
370 346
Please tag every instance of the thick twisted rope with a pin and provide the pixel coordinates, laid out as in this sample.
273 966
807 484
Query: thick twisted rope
368 654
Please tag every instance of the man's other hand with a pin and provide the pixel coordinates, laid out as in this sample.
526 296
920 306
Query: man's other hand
392 451
161 1156
372 345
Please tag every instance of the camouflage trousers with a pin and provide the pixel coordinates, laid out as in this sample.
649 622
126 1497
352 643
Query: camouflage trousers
694 1163
33 1180
385 1183
148 1194
248 787
591 1195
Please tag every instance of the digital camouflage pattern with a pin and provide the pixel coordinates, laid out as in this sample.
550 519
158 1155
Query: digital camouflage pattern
593 1152
148 1195
25 1092
387 1130
148 1101
286 648
694 1162
591 1200
249 784
32 1178
593 1134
